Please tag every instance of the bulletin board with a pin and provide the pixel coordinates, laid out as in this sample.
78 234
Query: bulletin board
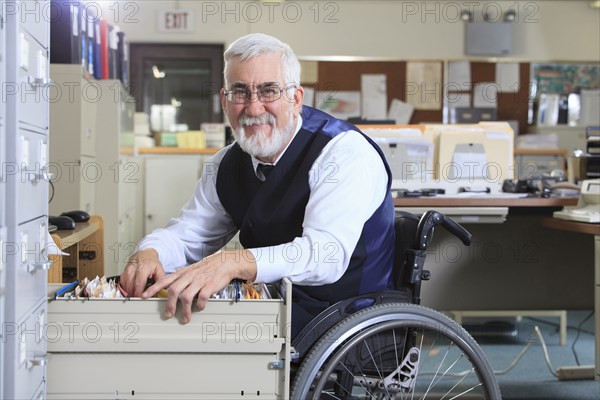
346 76
511 101
510 104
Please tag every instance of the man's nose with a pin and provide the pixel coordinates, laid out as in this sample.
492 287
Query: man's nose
254 106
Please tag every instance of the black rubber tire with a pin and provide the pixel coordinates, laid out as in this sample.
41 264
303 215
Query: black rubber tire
371 321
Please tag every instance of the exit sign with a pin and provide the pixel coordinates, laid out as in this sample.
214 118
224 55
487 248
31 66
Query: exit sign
177 21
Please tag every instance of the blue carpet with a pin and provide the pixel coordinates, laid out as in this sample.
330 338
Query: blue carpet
530 378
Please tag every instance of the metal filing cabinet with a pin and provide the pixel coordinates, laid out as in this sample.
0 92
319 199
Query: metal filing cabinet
24 196
2 196
123 348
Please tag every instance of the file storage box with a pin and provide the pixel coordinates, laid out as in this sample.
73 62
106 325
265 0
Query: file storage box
125 349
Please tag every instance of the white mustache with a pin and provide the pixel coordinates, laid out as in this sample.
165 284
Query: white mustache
266 118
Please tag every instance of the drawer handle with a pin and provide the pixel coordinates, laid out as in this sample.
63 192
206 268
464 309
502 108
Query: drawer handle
42 266
36 362
280 364
35 176
38 82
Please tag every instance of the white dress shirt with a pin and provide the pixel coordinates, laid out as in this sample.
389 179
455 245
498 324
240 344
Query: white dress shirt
348 183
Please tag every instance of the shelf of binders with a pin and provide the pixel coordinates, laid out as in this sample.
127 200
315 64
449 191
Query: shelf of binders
77 36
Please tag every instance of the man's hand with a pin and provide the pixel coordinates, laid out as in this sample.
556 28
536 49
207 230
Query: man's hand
202 280
142 265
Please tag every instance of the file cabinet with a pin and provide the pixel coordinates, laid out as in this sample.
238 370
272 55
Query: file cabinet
32 187
26 371
73 152
2 194
32 84
230 350
119 193
24 145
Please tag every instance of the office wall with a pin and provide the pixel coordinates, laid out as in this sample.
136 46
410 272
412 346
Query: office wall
544 30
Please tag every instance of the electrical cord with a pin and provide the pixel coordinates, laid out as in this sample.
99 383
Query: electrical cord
52 195
578 329
557 325
516 360
577 336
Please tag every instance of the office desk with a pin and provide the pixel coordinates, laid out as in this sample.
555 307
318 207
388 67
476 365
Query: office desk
483 202
519 264
589 229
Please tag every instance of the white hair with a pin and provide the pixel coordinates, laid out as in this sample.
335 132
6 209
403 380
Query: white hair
256 44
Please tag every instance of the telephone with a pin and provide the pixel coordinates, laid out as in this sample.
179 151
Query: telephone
588 206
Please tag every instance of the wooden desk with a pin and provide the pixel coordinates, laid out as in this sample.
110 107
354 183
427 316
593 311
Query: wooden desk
85 246
481 210
483 202
589 229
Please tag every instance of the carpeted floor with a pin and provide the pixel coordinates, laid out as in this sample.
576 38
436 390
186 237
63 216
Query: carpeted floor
530 378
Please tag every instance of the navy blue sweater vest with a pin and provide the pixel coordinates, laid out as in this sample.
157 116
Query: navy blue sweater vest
270 213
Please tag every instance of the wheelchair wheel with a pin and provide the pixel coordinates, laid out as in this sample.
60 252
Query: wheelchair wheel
395 351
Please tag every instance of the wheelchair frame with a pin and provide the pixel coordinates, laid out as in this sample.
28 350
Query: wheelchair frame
327 347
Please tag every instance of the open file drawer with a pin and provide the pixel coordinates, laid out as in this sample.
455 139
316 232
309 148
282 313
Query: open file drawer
125 349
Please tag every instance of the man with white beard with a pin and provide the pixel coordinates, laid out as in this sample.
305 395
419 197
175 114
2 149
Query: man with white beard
308 193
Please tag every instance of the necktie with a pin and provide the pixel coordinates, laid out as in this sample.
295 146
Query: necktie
265 169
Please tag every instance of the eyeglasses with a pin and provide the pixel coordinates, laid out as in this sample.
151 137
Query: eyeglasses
265 93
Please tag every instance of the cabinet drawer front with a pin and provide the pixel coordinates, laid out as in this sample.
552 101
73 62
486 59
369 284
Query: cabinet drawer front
32 179
31 13
164 376
138 326
33 93
90 93
90 174
30 274
25 340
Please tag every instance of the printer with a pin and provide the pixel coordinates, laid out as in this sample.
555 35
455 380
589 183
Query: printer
588 206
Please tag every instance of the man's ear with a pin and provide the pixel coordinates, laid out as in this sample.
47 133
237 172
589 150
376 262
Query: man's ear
298 98
223 99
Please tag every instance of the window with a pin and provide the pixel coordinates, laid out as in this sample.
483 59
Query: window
177 85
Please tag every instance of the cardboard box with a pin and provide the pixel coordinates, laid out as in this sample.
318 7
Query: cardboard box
407 149
191 140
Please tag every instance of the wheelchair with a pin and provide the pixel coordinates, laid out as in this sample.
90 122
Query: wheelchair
385 345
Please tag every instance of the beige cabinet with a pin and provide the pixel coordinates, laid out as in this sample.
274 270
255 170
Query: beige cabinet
89 120
120 189
72 149
169 184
